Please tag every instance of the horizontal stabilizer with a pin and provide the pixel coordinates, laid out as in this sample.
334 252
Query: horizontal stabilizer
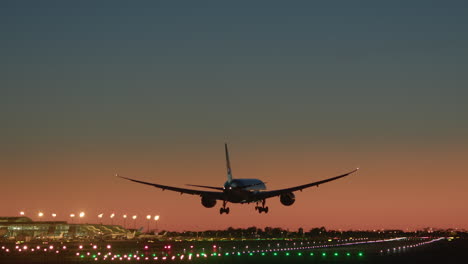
208 187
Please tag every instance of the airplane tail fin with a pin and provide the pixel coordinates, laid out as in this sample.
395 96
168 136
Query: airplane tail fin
228 165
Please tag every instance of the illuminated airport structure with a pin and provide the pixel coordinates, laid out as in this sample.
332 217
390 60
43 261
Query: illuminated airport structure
24 228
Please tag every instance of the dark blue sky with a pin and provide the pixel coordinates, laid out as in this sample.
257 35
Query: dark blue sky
150 77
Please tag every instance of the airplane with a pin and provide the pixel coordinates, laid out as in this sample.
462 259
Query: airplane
241 190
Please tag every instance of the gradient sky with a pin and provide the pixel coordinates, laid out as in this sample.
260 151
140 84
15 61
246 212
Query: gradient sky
301 91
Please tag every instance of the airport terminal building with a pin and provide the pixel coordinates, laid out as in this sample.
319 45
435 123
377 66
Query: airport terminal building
23 228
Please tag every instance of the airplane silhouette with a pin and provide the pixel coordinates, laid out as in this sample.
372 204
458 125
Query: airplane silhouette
241 190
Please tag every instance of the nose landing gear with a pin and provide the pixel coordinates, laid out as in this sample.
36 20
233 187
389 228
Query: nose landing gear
224 209
262 208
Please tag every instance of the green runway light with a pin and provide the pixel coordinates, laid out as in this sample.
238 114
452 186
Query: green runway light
287 253
82 256
94 256
226 254
348 254
144 255
238 253
263 254
130 255
311 253
154 255
275 254
250 254
324 254
336 254
299 254
360 254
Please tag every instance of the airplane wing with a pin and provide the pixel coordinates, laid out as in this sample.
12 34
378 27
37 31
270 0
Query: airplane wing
216 195
269 194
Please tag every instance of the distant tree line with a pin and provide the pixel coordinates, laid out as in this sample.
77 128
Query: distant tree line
314 233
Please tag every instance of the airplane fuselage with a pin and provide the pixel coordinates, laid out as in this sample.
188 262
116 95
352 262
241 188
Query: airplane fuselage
246 184
242 190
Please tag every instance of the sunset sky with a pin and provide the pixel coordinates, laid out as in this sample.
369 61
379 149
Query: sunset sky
300 91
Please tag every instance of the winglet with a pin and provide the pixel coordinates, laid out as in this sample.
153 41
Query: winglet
117 175
228 165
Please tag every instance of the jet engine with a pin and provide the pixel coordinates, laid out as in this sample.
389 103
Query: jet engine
287 198
208 202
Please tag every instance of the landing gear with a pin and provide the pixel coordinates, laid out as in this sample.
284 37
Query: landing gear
224 209
262 208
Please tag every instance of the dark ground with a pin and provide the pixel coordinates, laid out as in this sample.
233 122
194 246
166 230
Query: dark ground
455 251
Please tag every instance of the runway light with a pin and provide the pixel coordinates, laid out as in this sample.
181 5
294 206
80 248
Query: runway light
324 254
336 254
360 254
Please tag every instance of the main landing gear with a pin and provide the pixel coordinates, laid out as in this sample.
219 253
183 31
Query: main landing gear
224 209
262 208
